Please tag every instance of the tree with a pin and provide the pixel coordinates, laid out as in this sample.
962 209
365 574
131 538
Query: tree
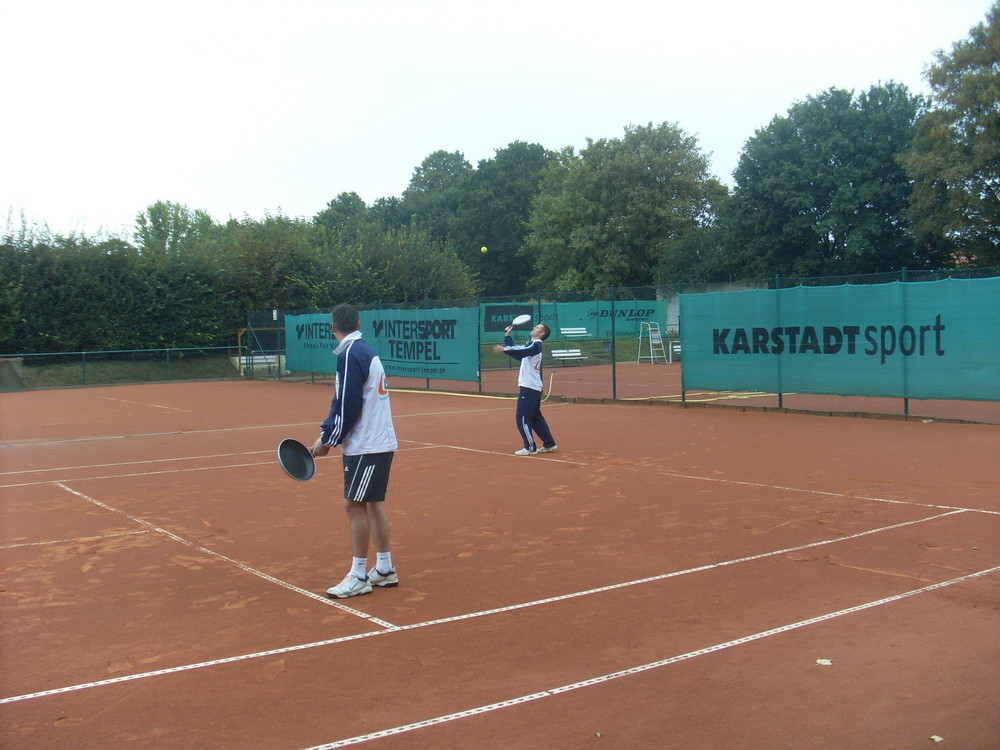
344 215
494 204
12 314
269 260
955 160
433 193
75 294
697 256
394 265
821 190
168 230
389 213
606 216
184 304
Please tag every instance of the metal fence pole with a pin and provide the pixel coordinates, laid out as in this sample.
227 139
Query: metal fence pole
777 302
680 291
906 384
614 350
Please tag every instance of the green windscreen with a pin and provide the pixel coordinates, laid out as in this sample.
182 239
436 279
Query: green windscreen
594 317
938 339
440 344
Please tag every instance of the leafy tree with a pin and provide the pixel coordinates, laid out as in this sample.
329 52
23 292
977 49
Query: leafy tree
432 196
389 213
821 191
955 160
394 265
72 294
697 256
168 230
268 260
75 294
182 305
344 215
10 309
605 217
11 293
493 209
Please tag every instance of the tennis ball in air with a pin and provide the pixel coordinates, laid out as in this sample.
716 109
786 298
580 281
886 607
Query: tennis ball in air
482 249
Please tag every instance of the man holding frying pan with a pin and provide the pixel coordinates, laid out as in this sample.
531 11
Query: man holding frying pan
360 422
529 380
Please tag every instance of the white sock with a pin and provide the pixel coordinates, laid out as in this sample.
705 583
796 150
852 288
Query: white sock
358 567
383 562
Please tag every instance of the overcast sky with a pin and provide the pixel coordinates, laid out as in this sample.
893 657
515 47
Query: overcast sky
241 108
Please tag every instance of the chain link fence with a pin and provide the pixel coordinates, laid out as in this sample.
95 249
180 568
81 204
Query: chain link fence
623 344
616 344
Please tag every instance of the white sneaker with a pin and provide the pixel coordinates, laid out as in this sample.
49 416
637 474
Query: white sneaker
524 452
350 586
387 581
550 449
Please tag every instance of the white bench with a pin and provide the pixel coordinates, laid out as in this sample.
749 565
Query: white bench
675 348
258 363
566 355
574 333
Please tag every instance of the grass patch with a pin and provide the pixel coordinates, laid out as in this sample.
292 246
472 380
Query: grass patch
109 371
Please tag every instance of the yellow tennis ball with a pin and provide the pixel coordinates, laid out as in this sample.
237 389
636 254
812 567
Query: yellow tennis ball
482 249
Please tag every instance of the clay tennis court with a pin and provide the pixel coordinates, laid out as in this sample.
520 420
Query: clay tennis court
672 578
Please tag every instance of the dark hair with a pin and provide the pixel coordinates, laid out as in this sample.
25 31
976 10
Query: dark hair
546 331
345 318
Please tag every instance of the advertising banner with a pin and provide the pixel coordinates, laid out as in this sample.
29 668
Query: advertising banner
596 316
440 344
937 339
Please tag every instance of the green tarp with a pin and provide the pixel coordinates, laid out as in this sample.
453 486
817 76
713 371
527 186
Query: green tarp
938 339
441 344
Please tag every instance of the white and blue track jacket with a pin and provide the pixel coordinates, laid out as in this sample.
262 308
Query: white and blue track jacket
530 354
360 420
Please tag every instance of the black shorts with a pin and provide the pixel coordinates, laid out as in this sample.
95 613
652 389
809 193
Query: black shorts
366 477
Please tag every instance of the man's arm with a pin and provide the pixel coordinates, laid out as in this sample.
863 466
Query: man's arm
346 407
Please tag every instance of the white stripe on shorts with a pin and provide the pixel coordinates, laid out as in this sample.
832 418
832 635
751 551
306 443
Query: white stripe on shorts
366 478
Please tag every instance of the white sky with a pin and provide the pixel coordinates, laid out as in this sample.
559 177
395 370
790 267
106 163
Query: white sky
241 107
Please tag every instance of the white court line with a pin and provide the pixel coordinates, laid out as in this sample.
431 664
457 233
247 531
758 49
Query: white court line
143 462
644 667
825 493
144 403
547 457
102 438
78 540
690 394
135 474
242 566
424 446
721 480
458 618
314 425
153 473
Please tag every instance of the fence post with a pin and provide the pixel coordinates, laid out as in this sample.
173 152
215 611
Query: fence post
479 342
777 303
680 291
614 350
905 360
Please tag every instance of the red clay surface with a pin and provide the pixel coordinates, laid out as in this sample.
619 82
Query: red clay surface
669 578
